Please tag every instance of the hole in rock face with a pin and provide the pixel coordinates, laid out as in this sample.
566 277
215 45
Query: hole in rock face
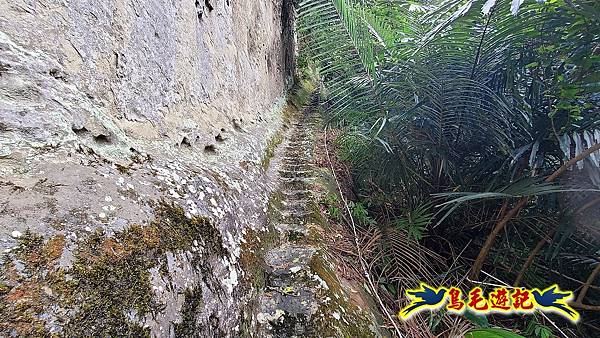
79 130
237 124
219 138
102 139
186 142
199 9
4 67
57 74
214 321
210 148
208 5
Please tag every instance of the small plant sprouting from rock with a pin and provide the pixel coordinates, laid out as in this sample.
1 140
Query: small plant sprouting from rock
331 202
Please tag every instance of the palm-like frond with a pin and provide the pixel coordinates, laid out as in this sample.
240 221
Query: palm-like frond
334 33
460 103
415 221
521 188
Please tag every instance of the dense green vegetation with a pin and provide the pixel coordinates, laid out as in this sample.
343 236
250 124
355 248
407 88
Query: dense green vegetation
471 128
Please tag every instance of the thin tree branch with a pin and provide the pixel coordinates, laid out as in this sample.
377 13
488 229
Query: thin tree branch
531 257
547 239
587 284
489 242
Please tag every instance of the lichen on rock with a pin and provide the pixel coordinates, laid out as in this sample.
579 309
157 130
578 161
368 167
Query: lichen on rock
108 290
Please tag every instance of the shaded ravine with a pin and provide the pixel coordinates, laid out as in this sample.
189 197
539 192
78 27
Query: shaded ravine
302 297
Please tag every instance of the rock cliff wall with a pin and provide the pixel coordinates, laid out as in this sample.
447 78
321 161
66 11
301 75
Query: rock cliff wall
134 143
137 71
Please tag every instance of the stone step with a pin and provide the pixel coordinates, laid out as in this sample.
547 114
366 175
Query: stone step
295 170
306 144
294 159
304 162
307 194
296 163
301 132
292 297
307 180
299 156
292 231
306 150
285 261
288 315
292 216
299 167
299 153
300 144
295 173
295 184
300 138
299 205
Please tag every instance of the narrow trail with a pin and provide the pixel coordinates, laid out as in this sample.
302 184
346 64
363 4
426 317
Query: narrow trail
291 297
302 294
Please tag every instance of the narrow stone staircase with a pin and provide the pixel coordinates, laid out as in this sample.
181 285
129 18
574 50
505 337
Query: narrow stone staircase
302 295
291 297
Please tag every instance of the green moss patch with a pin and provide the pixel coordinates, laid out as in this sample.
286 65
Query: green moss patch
107 292
359 323
270 150
192 305
257 243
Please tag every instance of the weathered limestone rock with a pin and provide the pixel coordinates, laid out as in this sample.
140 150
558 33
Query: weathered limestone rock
138 71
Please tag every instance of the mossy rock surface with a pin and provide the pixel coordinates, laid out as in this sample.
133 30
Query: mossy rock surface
107 291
